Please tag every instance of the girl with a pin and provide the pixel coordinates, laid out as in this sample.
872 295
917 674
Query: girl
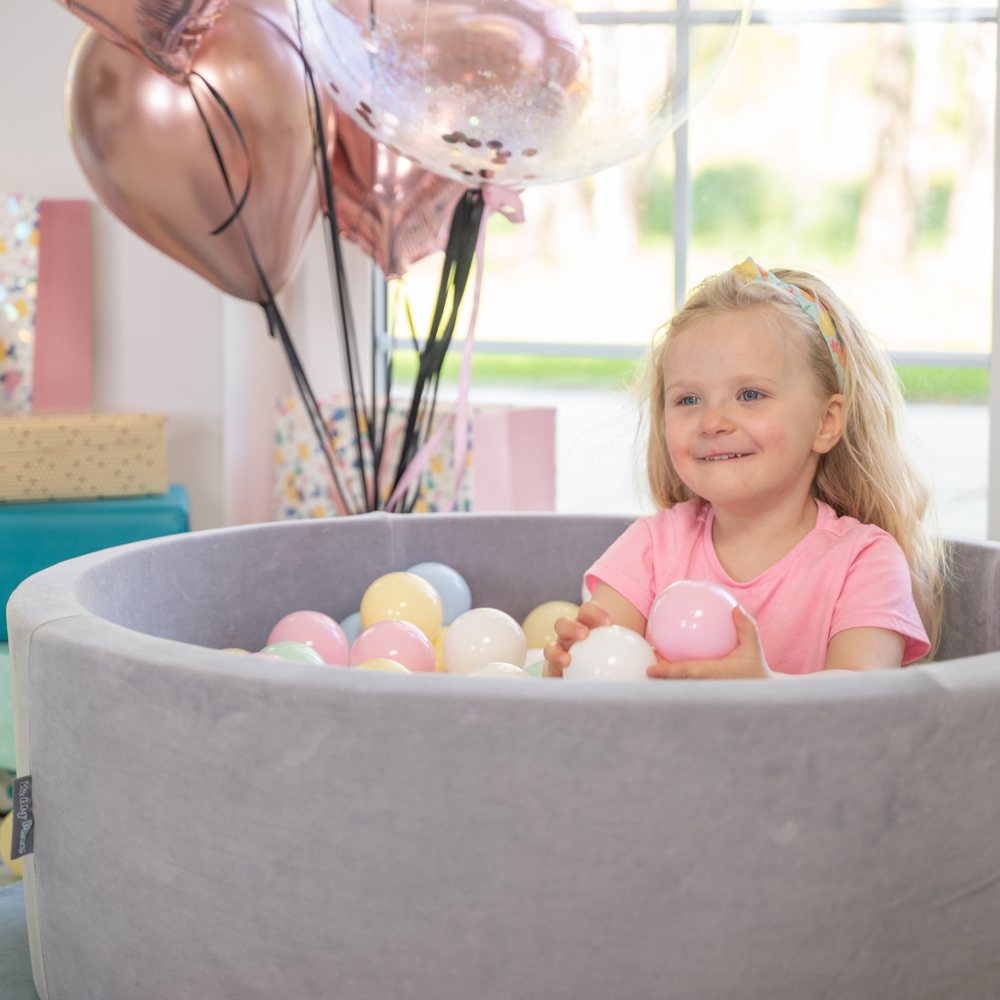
775 458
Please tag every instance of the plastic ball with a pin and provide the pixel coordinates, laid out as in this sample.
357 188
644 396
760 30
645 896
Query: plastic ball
439 649
6 836
299 652
389 666
267 656
395 640
536 669
693 620
403 597
540 625
352 627
533 656
610 653
315 630
585 592
481 636
499 670
456 598
234 649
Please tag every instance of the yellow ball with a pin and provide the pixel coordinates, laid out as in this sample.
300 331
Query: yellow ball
388 665
406 597
6 832
540 626
439 650
235 649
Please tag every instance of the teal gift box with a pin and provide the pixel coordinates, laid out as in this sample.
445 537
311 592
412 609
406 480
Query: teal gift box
34 536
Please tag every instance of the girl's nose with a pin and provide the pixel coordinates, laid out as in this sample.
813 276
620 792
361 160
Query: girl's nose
716 421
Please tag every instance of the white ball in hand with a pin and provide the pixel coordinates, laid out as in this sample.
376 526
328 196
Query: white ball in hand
610 653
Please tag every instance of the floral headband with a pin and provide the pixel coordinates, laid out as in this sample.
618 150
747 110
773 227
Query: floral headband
811 306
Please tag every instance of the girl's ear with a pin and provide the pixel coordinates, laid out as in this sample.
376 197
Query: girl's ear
831 427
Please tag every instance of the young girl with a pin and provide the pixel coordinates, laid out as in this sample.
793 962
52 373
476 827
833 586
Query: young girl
775 458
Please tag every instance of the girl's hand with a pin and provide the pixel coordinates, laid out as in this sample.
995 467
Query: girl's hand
745 661
591 615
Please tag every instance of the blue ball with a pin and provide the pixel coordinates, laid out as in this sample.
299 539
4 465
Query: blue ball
352 627
456 598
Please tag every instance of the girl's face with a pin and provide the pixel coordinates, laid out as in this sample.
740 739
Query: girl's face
745 422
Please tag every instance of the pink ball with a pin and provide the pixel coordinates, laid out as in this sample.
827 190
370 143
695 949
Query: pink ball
394 639
315 630
266 656
693 620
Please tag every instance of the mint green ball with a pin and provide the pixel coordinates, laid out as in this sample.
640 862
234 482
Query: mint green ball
535 670
297 651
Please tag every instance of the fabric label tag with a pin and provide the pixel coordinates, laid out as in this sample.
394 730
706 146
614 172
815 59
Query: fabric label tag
23 841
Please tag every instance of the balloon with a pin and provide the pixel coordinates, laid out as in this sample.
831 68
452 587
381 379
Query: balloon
390 666
693 620
499 670
406 597
392 209
610 653
456 598
143 147
393 639
352 627
165 33
315 630
6 842
297 651
517 92
481 636
439 649
540 625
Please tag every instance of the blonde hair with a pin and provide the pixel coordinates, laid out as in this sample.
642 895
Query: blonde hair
867 475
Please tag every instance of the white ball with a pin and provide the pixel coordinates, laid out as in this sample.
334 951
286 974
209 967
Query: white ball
610 653
585 592
481 636
533 656
499 670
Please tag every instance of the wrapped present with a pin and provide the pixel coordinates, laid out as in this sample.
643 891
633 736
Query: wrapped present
81 456
510 460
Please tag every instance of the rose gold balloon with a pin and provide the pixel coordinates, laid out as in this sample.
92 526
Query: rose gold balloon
165 33
390 208
143 146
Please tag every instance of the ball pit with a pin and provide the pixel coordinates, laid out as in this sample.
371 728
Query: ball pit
217 825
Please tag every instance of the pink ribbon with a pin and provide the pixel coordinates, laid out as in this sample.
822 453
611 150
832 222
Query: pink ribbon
508 204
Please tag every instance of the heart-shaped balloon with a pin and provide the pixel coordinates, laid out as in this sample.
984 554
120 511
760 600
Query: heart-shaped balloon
165 33
393 209
144 147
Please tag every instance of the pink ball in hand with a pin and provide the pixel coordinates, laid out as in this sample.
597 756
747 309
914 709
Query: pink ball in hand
693 620
394 639
315 630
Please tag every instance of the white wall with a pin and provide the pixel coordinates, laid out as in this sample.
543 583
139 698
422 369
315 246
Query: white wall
165 340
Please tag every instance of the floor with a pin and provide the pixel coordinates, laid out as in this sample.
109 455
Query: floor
598 466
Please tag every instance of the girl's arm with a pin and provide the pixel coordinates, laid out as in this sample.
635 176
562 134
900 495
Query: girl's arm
862 649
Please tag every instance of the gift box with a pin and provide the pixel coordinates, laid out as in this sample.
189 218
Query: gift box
82 456
38 535
510 462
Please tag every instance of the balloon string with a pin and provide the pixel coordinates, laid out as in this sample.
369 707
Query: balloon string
273 314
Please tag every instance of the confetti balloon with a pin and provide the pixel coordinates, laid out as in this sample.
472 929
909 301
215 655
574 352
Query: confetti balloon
315 630
499 670
403 597
610 653
481 636
352 627
456 598
392 639
540 625
389 666
297 651
518 92
693 620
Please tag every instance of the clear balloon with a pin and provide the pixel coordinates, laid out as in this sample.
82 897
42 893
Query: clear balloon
610 653
540 625
693 620
397 640
508 670
405 597
519 92
315 630
297 651
456 598
481 636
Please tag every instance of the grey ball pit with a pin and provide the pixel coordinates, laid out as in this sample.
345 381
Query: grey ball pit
210 827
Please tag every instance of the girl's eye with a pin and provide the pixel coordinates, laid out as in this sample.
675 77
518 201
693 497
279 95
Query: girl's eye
749 395
689 400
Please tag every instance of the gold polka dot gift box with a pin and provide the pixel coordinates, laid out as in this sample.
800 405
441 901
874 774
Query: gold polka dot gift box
82 457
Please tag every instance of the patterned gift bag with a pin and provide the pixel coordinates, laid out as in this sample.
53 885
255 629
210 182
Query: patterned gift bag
19 239
302 479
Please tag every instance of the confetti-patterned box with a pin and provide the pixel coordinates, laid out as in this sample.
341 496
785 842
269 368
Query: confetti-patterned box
19 240
82 457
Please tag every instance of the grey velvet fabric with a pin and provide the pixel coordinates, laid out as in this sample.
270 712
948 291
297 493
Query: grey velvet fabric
212 826
15 963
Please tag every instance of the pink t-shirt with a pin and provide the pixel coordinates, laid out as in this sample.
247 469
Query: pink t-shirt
843 574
